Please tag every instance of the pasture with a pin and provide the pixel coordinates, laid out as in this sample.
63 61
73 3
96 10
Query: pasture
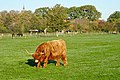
90 57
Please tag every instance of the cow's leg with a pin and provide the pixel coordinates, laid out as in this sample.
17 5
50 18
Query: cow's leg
38 65
45 62
64 58
58 60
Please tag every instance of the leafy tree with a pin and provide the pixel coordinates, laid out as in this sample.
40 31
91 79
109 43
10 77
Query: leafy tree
56 17
103 26
114 16
114 19
41 16
4 19
24 21
34 22
41 12
74 12
2 28
90 12
94 26
81 25
117 25
13 20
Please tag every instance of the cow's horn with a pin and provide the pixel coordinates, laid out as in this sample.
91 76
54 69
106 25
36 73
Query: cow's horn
28 52
42 53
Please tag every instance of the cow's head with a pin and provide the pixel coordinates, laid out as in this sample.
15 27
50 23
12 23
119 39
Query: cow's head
38 57
40 53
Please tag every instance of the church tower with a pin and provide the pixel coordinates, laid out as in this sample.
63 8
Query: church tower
23 9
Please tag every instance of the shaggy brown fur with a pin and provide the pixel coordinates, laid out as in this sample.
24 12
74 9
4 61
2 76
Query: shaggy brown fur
51 50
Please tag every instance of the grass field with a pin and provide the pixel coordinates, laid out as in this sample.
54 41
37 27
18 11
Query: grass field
90 57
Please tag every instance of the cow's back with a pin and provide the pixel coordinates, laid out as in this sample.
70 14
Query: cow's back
57 46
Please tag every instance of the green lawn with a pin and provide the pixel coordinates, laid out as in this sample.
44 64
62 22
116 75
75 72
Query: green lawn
90 57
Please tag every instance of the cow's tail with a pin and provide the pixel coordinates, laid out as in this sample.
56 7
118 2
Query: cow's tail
28 52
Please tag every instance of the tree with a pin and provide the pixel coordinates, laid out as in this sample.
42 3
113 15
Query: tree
4 19
56 17
74 12
103 26
41 17
114 16
81 25
94 26
117 25
90 12
34 22
13 20
41 12
2 26
114 19
24 21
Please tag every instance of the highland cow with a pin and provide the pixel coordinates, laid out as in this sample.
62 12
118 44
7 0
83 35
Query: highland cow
51 50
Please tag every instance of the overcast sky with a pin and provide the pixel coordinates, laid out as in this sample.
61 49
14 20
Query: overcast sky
106 7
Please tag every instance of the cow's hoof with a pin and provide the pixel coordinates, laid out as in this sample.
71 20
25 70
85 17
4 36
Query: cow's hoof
57 64
65 64
38 67
44 66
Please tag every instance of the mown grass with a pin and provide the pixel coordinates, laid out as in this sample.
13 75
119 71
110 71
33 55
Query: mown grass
90 57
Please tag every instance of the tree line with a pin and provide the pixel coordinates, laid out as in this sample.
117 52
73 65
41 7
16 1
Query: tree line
57 18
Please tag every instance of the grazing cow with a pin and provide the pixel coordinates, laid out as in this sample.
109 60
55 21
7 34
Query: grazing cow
51 50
